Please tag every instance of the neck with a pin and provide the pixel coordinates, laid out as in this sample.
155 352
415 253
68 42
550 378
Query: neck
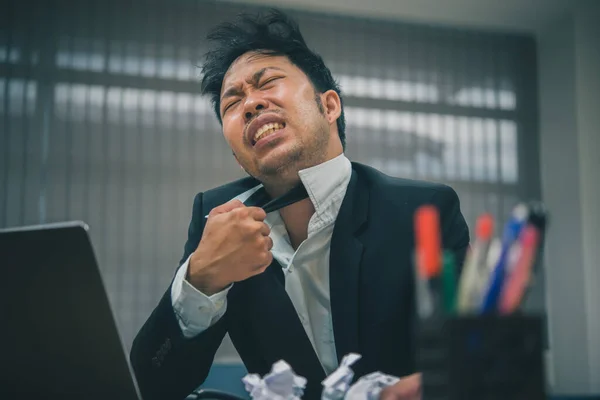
296 217
276 189
285 181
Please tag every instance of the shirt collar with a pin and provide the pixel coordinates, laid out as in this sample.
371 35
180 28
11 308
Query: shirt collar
326 182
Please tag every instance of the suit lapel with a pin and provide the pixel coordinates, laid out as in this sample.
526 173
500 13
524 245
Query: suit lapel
344 267
274 321
276 325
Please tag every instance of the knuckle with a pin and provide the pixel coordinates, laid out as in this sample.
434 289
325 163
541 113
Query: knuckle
260 227
259 213
266 228
239 213
248 227
258 242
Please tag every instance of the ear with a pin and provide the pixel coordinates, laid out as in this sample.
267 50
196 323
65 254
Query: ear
332 105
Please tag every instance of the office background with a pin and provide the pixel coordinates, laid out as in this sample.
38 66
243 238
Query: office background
101 120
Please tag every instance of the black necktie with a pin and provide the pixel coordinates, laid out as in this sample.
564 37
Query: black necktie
261 198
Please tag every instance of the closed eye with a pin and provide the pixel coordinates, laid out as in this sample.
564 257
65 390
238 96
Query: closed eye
270 80
228 106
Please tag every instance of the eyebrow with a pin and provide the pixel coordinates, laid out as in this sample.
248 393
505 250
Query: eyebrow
235 91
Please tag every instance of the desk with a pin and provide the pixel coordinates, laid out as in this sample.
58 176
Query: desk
228 377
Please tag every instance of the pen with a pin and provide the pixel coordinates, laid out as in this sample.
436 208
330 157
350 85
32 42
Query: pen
511 233
519 281
519 278
475 270
493 254
538 217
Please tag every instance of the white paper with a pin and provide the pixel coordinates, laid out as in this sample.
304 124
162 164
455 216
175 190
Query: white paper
280 384
337 384
370 386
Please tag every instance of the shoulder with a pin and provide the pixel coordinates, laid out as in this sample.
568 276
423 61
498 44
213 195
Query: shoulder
396 200
408 191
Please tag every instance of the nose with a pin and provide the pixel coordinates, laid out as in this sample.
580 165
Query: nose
253 105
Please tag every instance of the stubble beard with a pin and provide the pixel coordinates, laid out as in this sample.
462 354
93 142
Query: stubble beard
284 176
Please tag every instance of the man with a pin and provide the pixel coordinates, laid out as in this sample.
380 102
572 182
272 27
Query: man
325 276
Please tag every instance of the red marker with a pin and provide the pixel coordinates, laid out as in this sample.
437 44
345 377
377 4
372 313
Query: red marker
428 261
428 242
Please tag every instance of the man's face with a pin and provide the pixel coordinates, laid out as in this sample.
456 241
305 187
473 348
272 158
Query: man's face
272 118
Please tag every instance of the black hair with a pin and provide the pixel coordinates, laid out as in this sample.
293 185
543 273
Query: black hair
272 33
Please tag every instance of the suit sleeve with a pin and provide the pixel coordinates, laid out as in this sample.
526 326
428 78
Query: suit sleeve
455 232
168 365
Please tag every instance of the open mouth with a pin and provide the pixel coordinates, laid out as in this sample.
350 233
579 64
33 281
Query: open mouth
267 130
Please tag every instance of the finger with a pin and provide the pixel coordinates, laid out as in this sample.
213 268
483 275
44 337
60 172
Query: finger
224 208
257 213
264 229
258 228
269 242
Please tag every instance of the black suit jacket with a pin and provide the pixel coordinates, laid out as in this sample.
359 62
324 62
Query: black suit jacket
371 290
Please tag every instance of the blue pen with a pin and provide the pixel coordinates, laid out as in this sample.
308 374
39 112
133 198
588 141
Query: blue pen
511 233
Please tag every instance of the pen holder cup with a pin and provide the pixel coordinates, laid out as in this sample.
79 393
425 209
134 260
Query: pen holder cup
481 358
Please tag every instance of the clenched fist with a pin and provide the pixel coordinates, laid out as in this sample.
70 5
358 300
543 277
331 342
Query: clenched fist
235 246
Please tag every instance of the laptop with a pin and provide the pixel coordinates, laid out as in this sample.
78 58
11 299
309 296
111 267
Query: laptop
58 335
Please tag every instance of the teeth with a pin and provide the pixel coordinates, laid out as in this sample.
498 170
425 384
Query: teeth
267 129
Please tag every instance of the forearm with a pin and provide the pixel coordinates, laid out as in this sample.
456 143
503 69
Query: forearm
168 365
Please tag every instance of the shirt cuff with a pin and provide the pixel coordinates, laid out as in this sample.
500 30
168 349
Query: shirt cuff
195 311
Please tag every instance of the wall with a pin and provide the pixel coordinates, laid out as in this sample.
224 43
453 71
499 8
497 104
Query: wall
569 65
587 60
101 120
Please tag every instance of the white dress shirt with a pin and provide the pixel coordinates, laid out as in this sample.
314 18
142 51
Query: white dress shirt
306 269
